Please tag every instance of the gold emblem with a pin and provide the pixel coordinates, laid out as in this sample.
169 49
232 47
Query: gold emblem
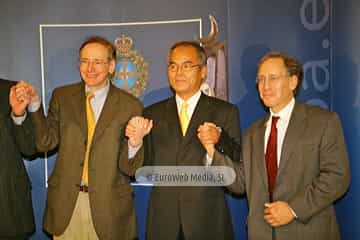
131 71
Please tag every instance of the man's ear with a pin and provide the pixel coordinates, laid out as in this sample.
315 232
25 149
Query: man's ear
112 65
203 72
294 81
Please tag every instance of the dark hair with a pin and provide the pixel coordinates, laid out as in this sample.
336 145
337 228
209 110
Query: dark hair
200 50
293 67
100 40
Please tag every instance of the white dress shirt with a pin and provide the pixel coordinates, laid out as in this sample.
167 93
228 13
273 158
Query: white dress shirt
281 126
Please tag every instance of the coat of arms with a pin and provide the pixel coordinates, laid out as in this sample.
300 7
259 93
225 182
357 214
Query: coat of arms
131 70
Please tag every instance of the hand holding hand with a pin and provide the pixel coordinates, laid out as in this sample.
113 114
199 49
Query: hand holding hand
209 135
19 98
136 129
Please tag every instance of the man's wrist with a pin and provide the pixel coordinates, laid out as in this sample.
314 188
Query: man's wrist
34 106
18 120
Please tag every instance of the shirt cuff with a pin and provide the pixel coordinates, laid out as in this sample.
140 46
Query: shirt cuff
18 120
34 106
208 160
133 150
293 213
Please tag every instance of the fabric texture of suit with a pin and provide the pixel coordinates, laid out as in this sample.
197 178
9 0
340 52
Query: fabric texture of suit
202 212
313 173
16 211
110 193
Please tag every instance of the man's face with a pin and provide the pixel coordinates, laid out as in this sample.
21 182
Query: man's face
184 73
95 65
275 85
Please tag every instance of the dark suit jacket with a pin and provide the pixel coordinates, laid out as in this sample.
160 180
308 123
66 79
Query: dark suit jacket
110 193
16 212
202 212
313 173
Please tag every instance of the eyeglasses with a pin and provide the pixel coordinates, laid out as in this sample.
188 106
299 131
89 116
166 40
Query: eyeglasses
97 63
271 78
186 67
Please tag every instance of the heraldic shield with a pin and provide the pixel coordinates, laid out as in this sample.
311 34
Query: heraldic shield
131 72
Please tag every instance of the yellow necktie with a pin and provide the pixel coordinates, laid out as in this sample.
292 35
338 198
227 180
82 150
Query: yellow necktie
90 118
184 117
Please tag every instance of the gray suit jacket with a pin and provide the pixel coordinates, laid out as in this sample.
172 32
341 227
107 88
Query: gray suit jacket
16 211
110 193
313 173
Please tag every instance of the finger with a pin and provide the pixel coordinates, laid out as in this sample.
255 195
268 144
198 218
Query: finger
149 127
138 121
268 205
130 126
200 128
210 124
21 82
128 133
12 91
269 219
267 211
204 130
206 136
200 137
132 120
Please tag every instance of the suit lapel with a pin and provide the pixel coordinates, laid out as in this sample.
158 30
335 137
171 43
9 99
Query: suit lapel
199 116
78 107
107 114
258 149
173 128
293 134
172 117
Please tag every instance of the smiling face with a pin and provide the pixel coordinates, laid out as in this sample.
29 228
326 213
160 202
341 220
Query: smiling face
275 85
185 72
95 65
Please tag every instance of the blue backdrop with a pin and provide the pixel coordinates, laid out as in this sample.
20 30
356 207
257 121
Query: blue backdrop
322 34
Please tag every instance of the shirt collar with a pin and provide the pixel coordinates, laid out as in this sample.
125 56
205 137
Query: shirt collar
284 114
99 93
192 101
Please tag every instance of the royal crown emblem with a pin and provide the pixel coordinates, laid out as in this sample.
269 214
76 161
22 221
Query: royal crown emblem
131 71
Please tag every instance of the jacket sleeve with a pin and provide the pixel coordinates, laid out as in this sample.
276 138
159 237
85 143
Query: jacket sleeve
24 137
47 128
228 150
126 165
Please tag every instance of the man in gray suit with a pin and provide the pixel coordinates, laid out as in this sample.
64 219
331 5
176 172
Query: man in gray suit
89 194
295 162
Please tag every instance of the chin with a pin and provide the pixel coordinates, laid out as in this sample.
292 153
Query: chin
268 104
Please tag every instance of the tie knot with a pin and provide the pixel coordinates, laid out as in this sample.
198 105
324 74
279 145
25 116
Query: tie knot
89 96
275 119
185 106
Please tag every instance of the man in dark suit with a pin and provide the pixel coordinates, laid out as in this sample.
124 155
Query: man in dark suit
189 137
295 162
89 194
16 212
